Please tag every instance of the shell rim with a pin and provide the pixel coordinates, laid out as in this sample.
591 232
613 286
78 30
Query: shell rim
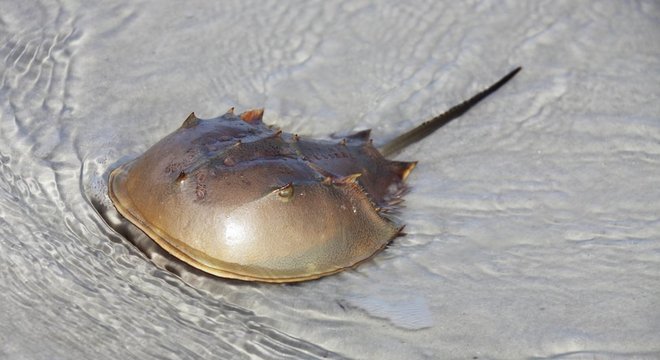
182 256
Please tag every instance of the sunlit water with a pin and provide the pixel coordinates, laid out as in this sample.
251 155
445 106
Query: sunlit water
532 223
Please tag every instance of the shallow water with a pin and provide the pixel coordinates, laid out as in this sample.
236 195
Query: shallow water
533 223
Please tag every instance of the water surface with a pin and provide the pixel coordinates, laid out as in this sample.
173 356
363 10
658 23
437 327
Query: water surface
533 223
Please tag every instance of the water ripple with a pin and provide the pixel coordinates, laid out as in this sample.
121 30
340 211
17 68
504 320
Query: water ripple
532 222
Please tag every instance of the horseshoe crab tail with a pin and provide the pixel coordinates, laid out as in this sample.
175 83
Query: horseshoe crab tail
428 127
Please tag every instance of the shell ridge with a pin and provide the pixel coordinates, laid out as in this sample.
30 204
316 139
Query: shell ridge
253 116
190 121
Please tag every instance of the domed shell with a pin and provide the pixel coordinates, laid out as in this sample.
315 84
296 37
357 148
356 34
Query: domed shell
235 198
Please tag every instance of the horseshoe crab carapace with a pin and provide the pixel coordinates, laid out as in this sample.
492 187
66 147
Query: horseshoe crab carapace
239 199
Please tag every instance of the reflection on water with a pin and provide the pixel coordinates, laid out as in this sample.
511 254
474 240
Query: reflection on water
533 225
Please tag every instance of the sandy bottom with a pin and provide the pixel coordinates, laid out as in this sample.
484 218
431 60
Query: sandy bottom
533 222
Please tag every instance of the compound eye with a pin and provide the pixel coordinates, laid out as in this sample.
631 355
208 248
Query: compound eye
285 192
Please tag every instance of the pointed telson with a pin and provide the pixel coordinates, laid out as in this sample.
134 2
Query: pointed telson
397 144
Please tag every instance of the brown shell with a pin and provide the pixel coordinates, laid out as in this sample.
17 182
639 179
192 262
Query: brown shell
238 199
235 198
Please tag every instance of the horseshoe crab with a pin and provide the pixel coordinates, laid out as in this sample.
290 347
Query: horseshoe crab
239 199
